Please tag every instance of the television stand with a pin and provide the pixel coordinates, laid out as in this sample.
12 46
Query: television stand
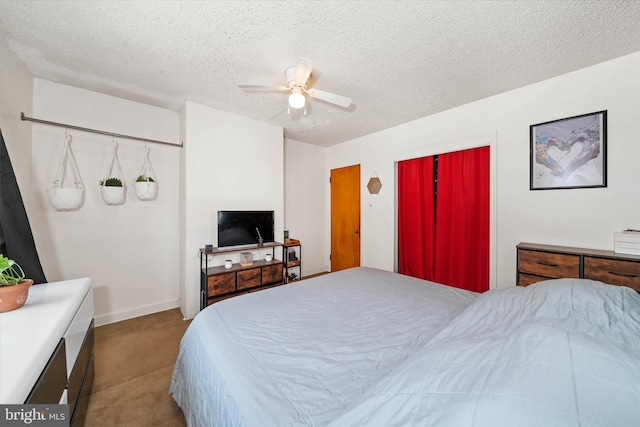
218 283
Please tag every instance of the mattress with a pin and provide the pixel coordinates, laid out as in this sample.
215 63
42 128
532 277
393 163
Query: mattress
301 354
365 347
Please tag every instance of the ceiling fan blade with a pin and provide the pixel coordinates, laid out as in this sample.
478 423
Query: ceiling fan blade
342 101
303 70
264 87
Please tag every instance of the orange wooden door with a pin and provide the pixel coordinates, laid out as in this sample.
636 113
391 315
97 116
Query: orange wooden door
345 217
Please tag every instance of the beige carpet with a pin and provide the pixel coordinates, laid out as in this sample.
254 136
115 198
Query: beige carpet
133 364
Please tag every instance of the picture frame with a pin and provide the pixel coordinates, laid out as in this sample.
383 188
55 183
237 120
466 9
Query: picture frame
569 153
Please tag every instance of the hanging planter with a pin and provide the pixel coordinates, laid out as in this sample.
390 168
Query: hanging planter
146 185
146 188
112 190
67 198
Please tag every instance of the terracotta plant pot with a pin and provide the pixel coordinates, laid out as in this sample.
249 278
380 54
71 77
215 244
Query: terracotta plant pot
13 297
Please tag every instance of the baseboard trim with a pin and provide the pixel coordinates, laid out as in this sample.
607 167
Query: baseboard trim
142 310
310 276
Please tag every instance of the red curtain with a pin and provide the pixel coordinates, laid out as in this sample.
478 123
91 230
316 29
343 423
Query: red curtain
462 220
446 241
416 220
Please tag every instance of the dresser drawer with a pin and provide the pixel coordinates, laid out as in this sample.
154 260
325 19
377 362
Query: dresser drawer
78 377
272 274
248 278
221 284
614 272
529 279
548 265
53 379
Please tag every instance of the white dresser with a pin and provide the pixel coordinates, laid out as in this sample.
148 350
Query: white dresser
46 347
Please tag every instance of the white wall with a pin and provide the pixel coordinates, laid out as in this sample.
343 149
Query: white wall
16 96
577 217
143 256
130 251
304 202
231 163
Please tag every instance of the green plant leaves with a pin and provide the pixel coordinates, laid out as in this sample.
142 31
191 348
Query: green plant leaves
10 272
111 182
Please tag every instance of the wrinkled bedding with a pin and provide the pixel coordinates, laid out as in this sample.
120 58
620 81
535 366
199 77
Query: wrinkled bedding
365 347
300 354
558 353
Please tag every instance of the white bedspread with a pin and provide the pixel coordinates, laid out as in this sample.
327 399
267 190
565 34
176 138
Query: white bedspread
300 354
558 353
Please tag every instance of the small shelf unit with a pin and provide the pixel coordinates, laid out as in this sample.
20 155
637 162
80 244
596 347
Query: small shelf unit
292 268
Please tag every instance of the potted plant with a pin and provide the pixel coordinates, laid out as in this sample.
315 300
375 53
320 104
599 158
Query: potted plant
14 288
146 187
113 192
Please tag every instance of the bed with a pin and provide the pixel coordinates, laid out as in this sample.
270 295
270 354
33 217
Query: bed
369 347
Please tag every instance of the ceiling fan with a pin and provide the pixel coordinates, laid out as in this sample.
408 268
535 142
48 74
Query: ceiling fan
297 78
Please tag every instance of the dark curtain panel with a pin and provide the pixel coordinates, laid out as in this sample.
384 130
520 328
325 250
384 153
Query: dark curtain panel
462 220
416 220
16 239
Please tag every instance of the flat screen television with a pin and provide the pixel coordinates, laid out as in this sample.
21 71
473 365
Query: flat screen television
240 228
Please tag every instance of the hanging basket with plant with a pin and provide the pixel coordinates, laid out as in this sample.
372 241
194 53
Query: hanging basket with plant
146 185
67 198
112 189
14 288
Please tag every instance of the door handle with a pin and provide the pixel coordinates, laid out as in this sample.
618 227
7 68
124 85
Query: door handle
357 231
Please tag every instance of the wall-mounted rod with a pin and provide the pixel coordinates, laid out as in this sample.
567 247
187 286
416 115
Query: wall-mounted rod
101 132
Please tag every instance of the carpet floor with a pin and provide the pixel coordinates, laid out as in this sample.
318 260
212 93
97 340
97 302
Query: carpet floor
133 365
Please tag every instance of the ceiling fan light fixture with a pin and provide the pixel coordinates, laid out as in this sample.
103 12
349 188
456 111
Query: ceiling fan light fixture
297 85
297 99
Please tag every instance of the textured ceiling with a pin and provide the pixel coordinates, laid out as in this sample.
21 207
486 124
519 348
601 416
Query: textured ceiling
397 60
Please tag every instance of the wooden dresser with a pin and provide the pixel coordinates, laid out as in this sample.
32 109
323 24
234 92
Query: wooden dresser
541 262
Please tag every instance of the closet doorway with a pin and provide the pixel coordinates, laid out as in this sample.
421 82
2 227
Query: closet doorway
444 218
345 217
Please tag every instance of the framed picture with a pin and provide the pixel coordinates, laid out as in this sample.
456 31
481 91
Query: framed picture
569 153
